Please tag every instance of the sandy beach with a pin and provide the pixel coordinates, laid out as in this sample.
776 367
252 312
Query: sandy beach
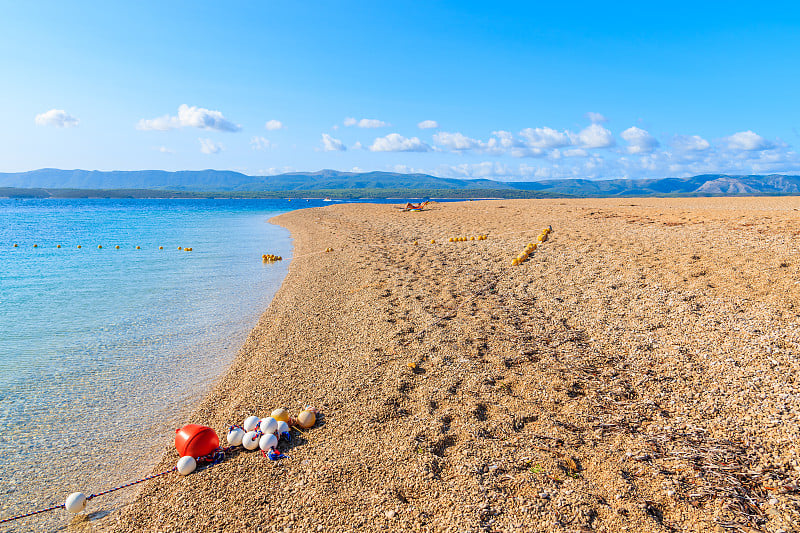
638 372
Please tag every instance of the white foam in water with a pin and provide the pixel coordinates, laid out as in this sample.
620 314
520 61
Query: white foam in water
104 350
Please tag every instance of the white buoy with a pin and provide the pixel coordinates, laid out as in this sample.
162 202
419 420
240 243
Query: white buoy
268 426
235 436
268 442
186 465
283 427
250 441
250 423
76 502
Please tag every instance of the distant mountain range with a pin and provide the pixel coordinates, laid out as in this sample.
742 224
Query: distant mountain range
47 181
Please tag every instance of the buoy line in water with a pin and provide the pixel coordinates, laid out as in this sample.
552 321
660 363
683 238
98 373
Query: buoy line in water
76 501
199 445
116 247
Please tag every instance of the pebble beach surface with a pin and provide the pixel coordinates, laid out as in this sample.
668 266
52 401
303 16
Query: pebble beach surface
638 372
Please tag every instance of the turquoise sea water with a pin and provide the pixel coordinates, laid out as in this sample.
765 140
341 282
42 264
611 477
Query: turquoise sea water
103 350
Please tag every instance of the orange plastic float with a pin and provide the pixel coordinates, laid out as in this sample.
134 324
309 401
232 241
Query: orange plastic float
195 440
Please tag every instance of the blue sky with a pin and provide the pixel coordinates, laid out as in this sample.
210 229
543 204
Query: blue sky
502 90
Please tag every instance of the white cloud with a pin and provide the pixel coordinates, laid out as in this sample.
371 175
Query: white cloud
329 144
207 146
194 117
395 142
260 143
372 123
485 169
747 141
596 118
56 117
456 142
576 162
164 150
545 138
272 171
428 124
273 125
639 141
528 152
405 169
366 123
531 142
501 139
595 136
690 143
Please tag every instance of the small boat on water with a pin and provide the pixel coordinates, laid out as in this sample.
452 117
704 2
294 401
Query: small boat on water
327 200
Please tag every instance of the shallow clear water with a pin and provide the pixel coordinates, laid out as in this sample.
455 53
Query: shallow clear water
103 349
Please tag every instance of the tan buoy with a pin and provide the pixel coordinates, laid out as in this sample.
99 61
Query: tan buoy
280 414
306 419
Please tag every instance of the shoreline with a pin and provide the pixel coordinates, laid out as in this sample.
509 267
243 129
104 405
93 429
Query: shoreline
93 368
568 386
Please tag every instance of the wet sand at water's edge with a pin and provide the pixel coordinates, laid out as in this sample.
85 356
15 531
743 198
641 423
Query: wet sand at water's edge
638 372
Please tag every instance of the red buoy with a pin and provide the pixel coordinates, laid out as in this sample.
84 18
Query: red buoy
195 440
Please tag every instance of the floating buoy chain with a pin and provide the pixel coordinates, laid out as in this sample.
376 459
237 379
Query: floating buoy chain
117 247
77 500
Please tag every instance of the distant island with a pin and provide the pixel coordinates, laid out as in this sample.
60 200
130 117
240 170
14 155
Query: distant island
56 183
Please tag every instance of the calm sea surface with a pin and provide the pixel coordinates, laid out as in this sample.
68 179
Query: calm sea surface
103 350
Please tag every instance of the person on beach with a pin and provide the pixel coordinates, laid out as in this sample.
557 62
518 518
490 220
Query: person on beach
412 207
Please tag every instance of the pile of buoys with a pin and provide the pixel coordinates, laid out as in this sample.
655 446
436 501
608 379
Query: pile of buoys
531 247
463 239
328 249
185 249
270 258
200 444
